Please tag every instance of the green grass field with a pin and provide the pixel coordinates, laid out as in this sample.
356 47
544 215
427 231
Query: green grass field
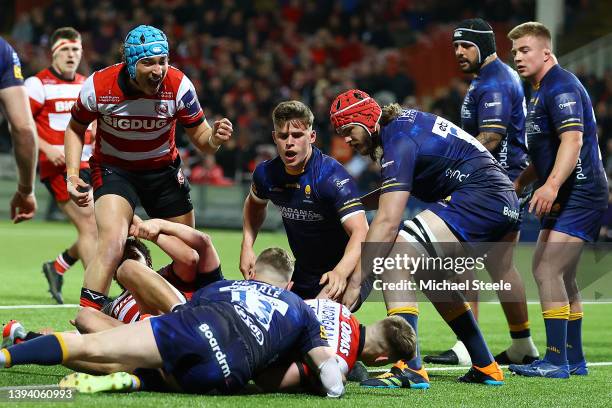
24 247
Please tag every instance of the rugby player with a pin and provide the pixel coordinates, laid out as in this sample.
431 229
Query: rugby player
494 111
570 195
222 338
432 159
52 93
136 105
14 104
318 200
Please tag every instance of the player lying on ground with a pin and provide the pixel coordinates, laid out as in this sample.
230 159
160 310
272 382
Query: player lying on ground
224 336
374 345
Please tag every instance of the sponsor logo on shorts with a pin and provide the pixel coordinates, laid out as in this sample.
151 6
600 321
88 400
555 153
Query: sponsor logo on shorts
511 213
180 177
214 345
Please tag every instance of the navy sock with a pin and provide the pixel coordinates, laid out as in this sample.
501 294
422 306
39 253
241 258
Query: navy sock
44 350
555 321
467 330
574 338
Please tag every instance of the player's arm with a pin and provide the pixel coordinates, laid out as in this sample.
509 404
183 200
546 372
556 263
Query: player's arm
253 216
73 147
356 226
323 361
207 139
23 134
527 176
565 163
383 229
489 140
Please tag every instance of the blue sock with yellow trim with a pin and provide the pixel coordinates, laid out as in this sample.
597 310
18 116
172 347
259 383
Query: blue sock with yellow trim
465 327
555 321
411 315
44 350
574 338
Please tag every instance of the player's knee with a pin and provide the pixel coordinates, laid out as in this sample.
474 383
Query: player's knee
129 271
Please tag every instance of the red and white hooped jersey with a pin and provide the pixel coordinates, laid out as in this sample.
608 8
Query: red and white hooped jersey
136 131
51 99
124 308
342 329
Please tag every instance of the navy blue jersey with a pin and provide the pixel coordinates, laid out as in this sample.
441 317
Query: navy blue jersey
10 66
313 205
231 330
432 157
495 103
560 104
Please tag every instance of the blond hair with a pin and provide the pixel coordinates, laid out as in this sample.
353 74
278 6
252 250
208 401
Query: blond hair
275 261
399 337
531 28
390 112
288 110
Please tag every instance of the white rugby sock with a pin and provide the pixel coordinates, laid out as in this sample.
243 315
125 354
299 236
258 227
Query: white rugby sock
521 348
462 353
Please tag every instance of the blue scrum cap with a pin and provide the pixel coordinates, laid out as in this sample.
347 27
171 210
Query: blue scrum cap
142 42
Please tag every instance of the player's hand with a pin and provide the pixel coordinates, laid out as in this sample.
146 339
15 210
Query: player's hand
247 262
335 284
78 190
148 230
56 156
543 199
222 131
23 207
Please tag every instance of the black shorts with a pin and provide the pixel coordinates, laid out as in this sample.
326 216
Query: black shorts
163 193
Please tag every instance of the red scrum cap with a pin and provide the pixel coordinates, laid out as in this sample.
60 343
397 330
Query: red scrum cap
355 107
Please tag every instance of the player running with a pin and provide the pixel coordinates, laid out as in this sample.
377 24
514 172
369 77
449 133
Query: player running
136 105
571 194
228 333
14 104
52 93
494 111
432 159
318 200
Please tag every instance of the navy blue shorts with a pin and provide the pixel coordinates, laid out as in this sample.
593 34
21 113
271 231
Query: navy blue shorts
202 348
479 216
583 223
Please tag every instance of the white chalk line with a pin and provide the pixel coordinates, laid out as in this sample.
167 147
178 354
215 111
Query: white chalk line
465 368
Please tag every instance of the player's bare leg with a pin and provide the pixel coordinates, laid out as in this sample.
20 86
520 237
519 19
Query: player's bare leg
500 265
554 269
153 294
83 218
187 219
89 320
113 217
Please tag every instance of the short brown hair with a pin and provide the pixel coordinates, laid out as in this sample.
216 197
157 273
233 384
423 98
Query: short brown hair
400 338
531 28
288 110
135 247
68 33
278 259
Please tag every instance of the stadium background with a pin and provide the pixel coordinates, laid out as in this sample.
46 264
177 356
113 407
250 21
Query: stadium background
246 56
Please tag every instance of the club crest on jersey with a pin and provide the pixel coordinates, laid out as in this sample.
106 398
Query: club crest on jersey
307 190
161 108
180 177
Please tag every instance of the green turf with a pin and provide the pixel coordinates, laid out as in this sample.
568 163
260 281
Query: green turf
24 247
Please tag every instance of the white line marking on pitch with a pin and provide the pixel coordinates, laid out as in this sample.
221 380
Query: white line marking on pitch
37 307
463 368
